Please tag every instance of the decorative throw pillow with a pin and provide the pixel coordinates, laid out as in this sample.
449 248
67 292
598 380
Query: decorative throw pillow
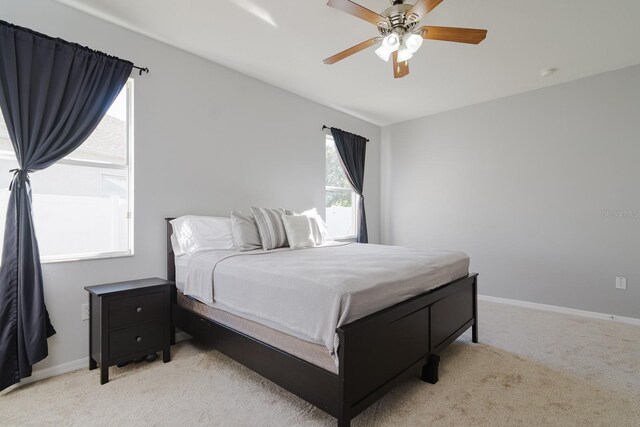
245 232
270 227
320 233
298 228
316 229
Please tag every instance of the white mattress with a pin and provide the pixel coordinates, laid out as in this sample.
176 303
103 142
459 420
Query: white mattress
308 293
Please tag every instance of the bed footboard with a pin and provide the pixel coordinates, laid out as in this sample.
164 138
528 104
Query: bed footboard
381 350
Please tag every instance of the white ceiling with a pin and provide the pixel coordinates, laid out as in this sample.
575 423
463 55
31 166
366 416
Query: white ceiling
283 42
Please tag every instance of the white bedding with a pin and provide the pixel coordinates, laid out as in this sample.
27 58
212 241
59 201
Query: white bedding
182 263
308 293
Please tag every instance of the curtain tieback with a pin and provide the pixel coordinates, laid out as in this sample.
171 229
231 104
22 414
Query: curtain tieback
19 175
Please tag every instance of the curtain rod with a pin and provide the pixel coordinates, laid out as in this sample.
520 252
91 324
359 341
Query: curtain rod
72 44
142 69
324 127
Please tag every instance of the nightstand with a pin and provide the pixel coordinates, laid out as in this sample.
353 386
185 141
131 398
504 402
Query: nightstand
128 320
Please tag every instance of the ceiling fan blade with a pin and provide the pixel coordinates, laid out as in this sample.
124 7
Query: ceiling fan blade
400 69
422 7
451 34
348 52
357 11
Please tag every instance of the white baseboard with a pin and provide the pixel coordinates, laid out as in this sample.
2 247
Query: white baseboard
74 365
564 310
52 371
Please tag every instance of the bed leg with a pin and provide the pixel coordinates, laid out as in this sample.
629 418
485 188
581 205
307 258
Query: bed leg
430 370
172 325
474 332
344 418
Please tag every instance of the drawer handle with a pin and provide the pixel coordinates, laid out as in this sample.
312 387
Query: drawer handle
138 339
139 310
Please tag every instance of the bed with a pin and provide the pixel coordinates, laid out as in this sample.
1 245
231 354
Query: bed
354 343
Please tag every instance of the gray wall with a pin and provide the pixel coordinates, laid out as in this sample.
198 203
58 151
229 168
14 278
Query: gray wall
207 139
523 184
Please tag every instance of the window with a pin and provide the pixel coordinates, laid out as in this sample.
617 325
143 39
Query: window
83 205
340 198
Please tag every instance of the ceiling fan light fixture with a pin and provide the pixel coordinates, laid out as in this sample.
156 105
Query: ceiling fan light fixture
399 31
413 42
392 42
383 53
404 54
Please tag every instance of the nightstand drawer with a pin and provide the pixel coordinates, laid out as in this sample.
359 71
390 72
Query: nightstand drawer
136 309
135 339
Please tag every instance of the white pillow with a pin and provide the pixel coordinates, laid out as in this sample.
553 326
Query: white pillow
177 250
298 228
200 233
320 233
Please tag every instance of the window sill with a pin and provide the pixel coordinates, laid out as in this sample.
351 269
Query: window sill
346 238
86 257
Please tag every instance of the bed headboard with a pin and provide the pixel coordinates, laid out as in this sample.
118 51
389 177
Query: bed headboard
171 261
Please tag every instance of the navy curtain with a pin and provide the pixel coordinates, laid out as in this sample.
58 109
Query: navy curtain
352 150
53 94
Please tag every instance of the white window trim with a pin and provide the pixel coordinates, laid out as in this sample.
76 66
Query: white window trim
354 202
130 164
52 259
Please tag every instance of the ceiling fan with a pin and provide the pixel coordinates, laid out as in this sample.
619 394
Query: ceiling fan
399 36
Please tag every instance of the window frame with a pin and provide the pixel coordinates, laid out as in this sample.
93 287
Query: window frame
128 166
354 196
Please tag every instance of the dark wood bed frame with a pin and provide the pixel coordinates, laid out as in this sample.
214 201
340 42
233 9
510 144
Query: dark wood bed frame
376 352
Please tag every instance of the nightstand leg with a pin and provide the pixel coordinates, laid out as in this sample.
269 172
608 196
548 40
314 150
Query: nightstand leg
92 363
104 374
169 337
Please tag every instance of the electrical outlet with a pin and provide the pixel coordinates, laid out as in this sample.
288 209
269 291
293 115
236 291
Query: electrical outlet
84 311
621 283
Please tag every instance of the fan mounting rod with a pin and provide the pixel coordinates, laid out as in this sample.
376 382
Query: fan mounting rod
399 19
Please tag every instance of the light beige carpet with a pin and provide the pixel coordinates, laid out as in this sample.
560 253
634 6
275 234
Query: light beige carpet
531 368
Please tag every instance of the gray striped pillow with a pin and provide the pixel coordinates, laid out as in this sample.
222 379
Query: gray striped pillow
270 227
